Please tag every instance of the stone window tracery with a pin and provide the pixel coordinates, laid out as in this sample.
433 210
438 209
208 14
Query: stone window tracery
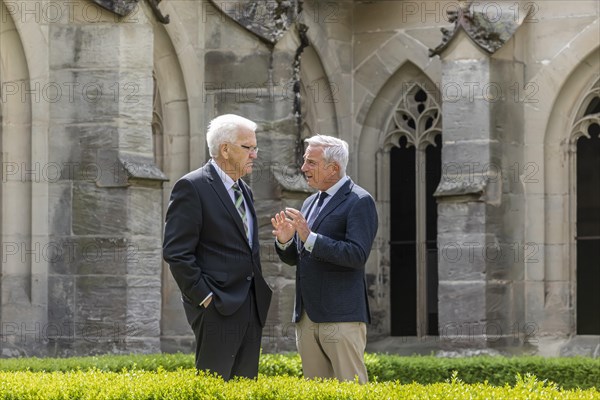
416 123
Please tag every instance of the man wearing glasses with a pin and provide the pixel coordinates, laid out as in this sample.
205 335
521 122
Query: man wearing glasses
211 246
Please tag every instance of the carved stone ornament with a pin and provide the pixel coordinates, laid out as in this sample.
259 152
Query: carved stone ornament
125 7
488 27
588 118
269 20
119 7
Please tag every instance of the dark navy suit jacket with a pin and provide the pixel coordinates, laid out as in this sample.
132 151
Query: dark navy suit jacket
206 247
330 280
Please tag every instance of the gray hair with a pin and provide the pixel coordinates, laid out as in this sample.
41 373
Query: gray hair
224 128
334 149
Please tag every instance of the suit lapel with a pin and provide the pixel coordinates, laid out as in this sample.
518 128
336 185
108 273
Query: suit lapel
308 204
335 201
217 184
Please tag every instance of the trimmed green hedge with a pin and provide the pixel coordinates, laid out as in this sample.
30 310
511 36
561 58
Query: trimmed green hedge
569 373
107 363
185 384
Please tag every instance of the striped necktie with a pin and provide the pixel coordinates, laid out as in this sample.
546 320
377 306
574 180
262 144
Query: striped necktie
239 205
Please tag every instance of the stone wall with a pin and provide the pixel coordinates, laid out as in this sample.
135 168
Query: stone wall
100 286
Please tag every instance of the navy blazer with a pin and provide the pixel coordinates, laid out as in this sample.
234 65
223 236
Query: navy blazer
330 281
206 247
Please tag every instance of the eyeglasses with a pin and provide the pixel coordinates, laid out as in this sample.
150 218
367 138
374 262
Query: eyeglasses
250 149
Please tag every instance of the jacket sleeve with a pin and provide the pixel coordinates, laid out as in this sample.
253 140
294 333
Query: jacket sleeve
289 255
183 225
361 228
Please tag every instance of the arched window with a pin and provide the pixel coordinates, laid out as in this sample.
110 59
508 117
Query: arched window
414 143
585 139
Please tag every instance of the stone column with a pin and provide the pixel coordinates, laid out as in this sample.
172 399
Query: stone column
480 197
105 275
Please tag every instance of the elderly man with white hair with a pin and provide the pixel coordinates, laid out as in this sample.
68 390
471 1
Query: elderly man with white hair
211 246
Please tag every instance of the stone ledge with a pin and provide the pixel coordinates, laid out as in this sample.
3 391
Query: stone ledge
472 187
579 345
126 169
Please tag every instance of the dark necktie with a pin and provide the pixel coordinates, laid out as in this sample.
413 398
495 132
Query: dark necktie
316 210
239 205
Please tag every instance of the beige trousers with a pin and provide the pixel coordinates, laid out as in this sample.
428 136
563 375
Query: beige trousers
332 350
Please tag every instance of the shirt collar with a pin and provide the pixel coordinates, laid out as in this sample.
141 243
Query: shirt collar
334 189
227 181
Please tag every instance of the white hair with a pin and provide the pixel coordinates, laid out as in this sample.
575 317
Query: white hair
225 128
334 149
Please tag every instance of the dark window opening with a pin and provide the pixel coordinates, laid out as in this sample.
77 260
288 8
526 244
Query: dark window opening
403 269
403 245
588 229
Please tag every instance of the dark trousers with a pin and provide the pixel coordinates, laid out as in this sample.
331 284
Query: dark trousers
228 345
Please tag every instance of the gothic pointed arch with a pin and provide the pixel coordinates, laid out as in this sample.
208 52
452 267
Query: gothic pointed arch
413 140
320 64
184 96
401 133
175 154
319 96
568 126
19 174
584 152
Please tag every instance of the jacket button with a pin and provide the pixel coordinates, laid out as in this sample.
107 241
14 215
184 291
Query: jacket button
248 278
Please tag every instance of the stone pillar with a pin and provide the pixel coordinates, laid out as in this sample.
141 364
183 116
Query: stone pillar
22 202
105 274
480 197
